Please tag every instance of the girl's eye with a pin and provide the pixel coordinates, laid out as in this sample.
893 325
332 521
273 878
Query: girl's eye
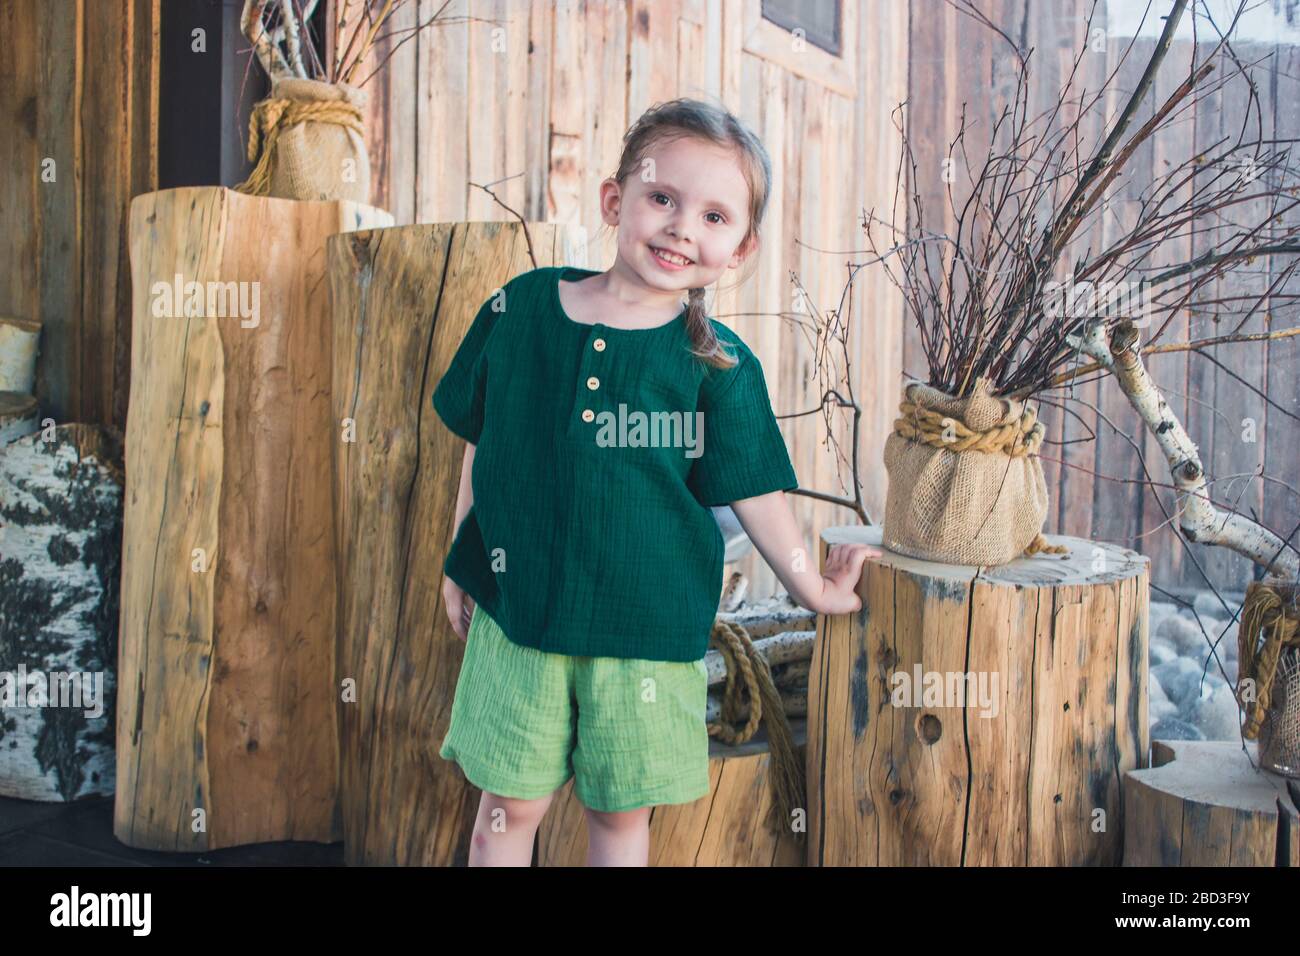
654 197
721 218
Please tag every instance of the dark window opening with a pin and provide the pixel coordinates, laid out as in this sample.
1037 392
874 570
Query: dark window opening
820 20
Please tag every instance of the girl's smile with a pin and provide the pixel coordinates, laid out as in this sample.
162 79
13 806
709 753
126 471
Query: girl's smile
672 261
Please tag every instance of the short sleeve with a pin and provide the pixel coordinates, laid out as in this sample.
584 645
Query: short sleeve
460 396
744 453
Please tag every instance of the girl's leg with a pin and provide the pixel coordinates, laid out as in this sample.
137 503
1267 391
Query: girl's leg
618 839
504 830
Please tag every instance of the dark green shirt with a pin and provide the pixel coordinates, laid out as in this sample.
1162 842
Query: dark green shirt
591 532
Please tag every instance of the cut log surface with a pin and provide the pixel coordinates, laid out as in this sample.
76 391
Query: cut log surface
227 732
403 300
978 716
725 828
18 416
60 546
1205 803
19 339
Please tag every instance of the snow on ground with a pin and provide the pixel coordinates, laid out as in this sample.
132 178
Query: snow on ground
1188 699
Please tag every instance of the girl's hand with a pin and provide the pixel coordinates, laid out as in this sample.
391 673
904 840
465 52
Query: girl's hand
841 577
460 606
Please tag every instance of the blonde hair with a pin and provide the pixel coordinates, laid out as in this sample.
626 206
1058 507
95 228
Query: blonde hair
695 119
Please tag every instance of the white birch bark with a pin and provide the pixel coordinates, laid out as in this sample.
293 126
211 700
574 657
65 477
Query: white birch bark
60 552
1198 519
18 342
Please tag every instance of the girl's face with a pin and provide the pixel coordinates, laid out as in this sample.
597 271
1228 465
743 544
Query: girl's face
689 197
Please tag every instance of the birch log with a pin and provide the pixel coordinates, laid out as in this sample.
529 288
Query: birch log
725 828
18 416
227 733
403 300
974 717
18 344
60 548
1198 519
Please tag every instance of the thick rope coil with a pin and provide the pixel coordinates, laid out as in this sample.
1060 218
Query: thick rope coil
271 116
1264 612
925 425
749 681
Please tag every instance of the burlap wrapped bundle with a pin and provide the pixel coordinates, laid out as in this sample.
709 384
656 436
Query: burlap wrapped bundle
312 142
965 482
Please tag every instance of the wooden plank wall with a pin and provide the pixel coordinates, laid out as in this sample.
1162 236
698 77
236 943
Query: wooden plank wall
535 97
78 88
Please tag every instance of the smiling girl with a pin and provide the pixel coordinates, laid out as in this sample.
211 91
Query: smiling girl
585 575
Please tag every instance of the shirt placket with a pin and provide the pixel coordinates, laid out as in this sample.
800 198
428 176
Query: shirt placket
589 398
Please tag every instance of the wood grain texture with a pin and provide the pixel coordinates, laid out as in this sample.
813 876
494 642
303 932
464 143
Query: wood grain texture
1204 803
228 702
80 90
403 299
726 828
1027 773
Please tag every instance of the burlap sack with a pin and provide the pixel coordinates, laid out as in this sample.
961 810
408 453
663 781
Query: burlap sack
965 482
310 137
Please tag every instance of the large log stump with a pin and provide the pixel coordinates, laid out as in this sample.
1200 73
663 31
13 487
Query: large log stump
1025 768
1202 803
60 547
726 828
403 300
227 717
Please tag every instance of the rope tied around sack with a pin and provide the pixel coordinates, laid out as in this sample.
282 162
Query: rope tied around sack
749 682
1265 612
1017 439
273 115
928 427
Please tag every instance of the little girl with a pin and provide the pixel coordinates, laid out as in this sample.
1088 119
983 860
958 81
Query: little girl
603 418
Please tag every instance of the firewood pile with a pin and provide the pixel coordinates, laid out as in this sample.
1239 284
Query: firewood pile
782 632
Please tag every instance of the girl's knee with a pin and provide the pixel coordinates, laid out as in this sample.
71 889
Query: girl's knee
620 819
516 810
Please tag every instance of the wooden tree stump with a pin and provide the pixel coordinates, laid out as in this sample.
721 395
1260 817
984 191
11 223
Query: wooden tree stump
1202 803
726 828
227 724
403 300
60 546
1029 772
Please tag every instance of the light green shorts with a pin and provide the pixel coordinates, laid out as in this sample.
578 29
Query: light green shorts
524 721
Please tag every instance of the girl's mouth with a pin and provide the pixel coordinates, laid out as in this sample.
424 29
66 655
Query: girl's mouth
670 260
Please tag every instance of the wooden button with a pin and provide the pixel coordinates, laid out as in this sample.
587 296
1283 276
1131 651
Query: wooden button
593 383
588 414
598 345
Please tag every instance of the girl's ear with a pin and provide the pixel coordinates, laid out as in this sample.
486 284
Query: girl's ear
744 250
611 196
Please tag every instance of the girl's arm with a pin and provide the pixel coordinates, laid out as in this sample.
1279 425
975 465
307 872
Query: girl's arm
465 497
459 605
770 524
